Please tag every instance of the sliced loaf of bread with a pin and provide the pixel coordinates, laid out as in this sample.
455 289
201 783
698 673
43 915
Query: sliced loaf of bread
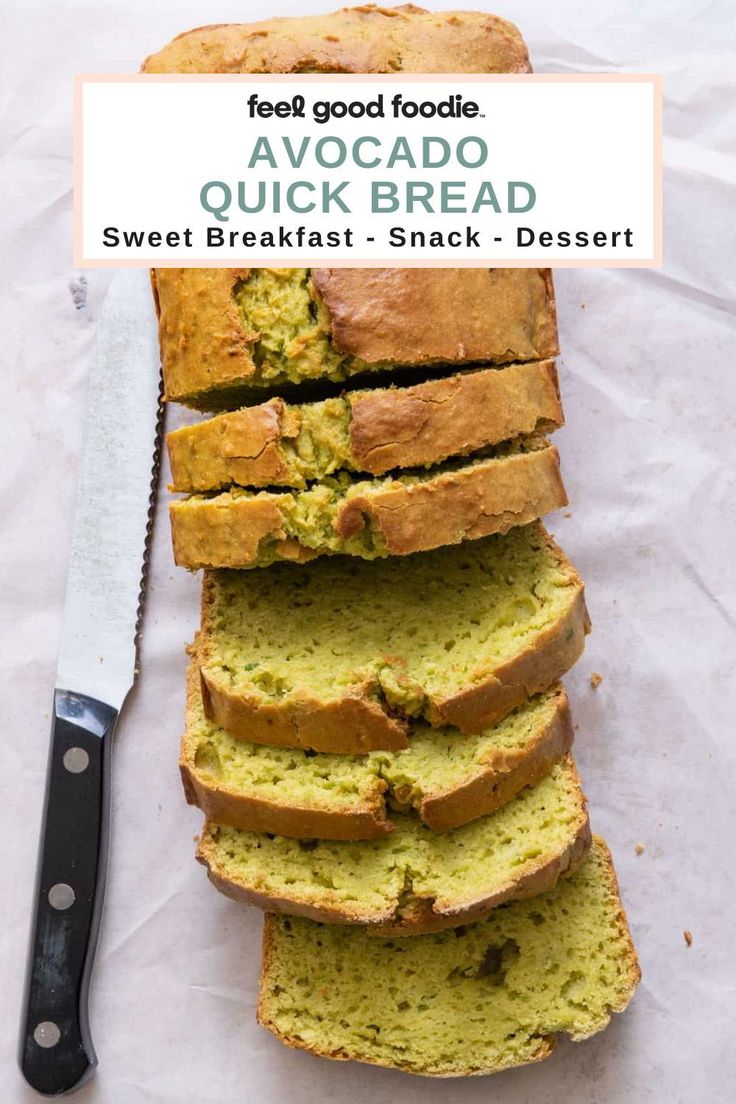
395 516
446 777
279 444
233 334
339 654
475 1000
414 879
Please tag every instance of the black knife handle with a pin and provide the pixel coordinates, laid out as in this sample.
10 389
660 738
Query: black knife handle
56 1052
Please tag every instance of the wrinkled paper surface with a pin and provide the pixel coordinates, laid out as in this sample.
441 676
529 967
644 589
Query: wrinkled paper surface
648 452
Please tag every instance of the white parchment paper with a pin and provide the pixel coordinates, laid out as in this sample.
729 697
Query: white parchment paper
648 453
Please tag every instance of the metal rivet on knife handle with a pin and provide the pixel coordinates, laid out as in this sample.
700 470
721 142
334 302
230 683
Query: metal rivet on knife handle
47 1034
76 760
61 896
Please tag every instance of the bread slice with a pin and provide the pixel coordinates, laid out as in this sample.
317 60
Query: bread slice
276 444
364 39
414 879
447 778
338 654
475 1000
231 334
395 516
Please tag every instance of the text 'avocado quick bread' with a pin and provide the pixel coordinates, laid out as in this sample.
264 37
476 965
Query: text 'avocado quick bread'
414 879
232 333
276 444
445 777
474 1000
339 654
516 483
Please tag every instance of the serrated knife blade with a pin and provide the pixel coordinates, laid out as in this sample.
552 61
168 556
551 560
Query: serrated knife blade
96 669
106 564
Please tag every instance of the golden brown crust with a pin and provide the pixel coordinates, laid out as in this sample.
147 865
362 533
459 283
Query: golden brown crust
352 725
252 814
244 447
364 39
203 343
424 424
495 783
285 906
425 914
224 533
488 496
433 315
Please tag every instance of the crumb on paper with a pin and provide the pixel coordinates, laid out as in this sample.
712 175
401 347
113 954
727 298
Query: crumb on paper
567 513
576 727
78 291
688 935
596 680
639 848
582 306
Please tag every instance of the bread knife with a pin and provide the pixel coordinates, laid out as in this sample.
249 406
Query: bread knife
97 667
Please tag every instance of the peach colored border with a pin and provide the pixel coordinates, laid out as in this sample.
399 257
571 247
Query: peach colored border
654 79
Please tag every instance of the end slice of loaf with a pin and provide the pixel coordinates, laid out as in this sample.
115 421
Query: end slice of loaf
447 778
229 335
229 331
278 444
339 654
475 1001
414 879
365 39
396 516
